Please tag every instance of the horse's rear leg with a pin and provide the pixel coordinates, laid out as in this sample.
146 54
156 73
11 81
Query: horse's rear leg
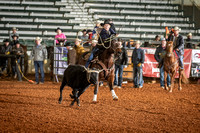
165 80
180 78
61 89
111 83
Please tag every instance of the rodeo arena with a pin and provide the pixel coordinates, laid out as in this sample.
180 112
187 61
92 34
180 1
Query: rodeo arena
100 66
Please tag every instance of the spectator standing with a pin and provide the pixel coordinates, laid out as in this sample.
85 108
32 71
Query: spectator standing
71 54
159 55
14 32
18 51
188 40
122 60
60 37
79 49
137 60
5 49
39 54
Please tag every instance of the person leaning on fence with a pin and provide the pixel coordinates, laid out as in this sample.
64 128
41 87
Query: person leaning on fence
71 54
4 50
79 49
178 43
188 40
122 60
137 60
60 37
105 34
39 55
18 51
159 55
14 32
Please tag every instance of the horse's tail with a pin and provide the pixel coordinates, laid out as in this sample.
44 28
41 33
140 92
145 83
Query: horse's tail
184 78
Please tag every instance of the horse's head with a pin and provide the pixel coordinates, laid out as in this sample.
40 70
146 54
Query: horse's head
169 48
115 46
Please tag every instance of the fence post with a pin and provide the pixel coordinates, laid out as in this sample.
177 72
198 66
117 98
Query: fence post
193 11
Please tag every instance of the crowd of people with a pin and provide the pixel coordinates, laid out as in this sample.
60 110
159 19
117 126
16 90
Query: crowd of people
94 38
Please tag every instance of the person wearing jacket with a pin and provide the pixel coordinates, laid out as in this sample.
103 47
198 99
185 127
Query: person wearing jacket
5 50
159 55
137 60
60 37
122 60
103 39
39 55
18 51
178 43
79 49
188 40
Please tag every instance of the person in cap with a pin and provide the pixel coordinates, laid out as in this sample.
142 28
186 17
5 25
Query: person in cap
60 37
84 37
39 55
178 43
137 60
120 63
17 68
79 49
5 49
103 39
14 32
159 55
14 40
188 41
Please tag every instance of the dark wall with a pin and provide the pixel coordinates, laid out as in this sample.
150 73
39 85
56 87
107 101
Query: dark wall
189 13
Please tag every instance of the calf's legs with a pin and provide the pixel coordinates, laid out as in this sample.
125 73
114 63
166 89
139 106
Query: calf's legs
61 89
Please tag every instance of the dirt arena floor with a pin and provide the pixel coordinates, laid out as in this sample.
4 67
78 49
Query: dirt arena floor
34 108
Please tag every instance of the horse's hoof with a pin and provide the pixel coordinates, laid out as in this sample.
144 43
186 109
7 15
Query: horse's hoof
166 88
170 91
94 102
72 96
72 103
115 98
180 88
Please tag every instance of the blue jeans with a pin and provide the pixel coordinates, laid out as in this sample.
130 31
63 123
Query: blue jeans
118 70
162 77
95 49
39 65
180 59
138 77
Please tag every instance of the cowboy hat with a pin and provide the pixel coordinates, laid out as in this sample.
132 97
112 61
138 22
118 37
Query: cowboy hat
138 42
6 40
78 40
189 34
177 28
14 28
15 35
89 31
94 41
38 38
58 29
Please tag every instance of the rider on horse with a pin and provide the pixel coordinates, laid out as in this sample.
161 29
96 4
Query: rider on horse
178 43
102 42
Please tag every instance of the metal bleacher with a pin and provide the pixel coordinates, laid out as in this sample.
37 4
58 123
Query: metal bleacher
135 19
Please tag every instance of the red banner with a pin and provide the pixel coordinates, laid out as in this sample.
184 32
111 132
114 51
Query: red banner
150 65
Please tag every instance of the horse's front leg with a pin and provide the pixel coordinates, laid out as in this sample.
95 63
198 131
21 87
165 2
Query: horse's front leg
180 78
172 81
61 89
165 80
95 92
111 84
